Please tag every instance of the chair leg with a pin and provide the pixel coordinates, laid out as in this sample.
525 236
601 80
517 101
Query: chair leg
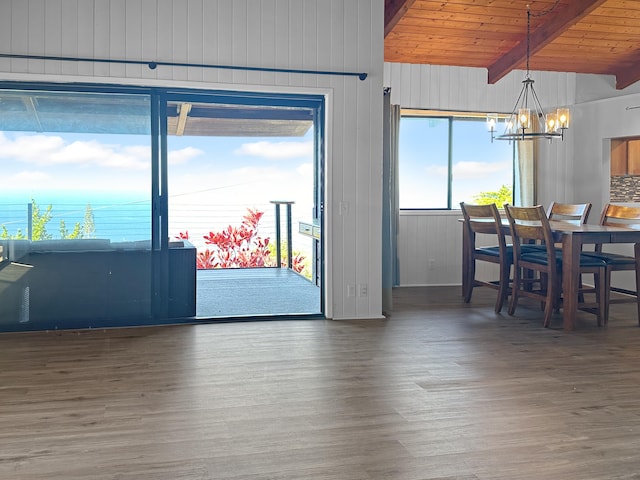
549 307
559 301
471 278
514 291
503 291
552 301
602 294
606 287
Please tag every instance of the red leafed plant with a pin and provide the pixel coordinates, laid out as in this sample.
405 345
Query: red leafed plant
239 247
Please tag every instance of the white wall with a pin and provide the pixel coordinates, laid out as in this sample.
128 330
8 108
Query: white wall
596 123
575 170
340 35
430 243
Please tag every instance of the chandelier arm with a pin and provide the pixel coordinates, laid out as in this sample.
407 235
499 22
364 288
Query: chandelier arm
514 113
536 101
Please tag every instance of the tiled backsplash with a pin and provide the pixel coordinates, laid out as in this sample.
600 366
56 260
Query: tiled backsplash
625 189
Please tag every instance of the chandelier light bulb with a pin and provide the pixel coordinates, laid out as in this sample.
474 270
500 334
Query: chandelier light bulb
551 123
524 118
492 121
563 118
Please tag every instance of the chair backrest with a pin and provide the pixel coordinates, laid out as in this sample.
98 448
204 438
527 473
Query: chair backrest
484 219
574 213
620 216
527 224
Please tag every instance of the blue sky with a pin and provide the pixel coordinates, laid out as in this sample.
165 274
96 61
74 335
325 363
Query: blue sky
478 164
208 175
110 163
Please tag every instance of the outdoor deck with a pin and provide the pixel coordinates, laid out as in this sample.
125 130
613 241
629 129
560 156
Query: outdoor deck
249 292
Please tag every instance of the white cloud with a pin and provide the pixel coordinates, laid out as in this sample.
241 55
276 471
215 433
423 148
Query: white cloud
479 169
254 185
276 150
51 150
29 177
305 169
466 170
29 147
436 171
183 155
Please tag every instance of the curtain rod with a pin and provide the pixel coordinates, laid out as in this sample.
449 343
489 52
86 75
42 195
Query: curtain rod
154 65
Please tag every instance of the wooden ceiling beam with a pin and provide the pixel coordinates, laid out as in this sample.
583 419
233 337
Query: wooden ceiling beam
546 33
394 10
629 75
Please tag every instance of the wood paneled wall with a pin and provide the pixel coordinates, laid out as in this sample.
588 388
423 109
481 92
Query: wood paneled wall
340 35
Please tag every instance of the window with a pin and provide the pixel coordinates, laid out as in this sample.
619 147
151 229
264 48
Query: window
448 159
101 186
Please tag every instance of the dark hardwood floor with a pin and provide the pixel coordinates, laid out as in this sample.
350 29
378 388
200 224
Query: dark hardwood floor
439 390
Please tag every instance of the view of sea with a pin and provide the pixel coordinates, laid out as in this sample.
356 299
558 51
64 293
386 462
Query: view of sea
117 218
128 218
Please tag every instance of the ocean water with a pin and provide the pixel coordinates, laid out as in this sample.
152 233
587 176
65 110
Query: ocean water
128 217
119 218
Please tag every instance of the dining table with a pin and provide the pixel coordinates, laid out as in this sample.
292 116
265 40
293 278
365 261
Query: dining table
572 238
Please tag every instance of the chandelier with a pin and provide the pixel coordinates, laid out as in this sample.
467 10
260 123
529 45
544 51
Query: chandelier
528 121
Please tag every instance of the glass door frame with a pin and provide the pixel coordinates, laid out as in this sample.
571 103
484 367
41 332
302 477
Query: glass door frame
314 102
159 97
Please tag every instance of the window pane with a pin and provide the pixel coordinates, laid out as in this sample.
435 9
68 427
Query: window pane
75 207
87 155
424 162
481 169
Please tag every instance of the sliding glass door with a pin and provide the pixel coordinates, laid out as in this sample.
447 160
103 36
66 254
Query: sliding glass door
243 189
120 206
75 208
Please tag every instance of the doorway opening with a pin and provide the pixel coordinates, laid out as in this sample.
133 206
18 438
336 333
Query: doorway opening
244 183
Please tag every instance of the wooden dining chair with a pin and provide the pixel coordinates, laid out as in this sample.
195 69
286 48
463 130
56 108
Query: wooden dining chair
532 224
574 213
484 221
623 217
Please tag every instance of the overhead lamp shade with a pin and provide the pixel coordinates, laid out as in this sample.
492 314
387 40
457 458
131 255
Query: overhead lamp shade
492 121
551 122
524 118
563 118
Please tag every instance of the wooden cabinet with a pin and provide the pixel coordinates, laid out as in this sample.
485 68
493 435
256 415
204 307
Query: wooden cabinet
618 158
633 157
625 156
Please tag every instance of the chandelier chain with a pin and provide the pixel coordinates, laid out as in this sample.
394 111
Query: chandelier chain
539 14
542 13
528 37
528 120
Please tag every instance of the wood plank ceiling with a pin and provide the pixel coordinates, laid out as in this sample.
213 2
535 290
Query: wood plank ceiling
583 36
